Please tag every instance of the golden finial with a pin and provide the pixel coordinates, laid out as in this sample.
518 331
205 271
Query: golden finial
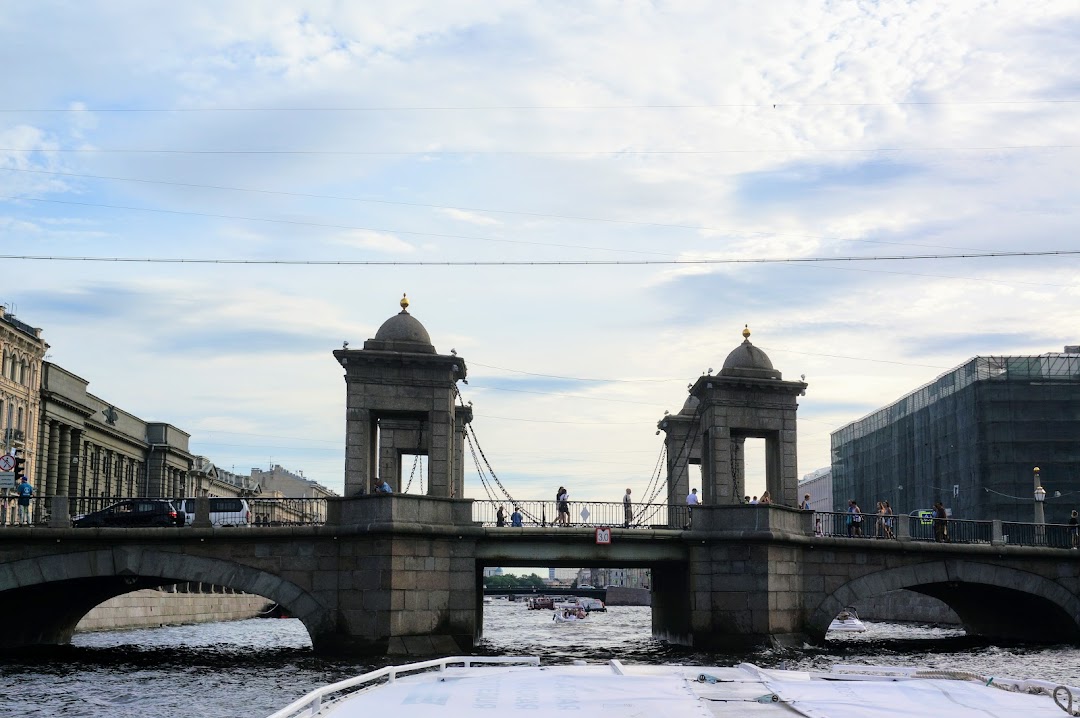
746 331
404 302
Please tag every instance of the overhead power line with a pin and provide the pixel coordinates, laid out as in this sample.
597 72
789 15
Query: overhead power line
766 105
537 153
540 262
485 210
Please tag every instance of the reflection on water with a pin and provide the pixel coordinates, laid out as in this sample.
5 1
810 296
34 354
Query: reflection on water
254 667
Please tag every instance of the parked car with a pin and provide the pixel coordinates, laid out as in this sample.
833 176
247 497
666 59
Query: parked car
223 511
133 512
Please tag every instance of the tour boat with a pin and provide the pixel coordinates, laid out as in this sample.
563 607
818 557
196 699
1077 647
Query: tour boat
588 604
847 620
465 687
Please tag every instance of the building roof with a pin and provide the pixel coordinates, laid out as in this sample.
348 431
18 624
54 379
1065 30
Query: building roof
746 360
402 332
1052 366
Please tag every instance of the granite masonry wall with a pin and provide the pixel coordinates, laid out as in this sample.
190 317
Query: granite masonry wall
150 608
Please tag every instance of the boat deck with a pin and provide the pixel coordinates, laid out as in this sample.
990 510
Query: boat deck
616 690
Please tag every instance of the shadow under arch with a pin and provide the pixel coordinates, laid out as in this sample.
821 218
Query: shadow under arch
991 601
51 594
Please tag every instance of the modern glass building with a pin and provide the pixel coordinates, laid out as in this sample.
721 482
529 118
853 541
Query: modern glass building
971 439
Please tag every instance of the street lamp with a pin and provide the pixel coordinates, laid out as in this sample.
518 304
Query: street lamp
1040 497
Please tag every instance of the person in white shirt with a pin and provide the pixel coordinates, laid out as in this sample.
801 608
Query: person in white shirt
691 502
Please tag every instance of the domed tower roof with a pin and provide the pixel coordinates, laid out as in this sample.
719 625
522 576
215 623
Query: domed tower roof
746 360
402 333
689 407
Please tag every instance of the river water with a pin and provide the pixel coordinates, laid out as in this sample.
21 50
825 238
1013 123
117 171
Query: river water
252 668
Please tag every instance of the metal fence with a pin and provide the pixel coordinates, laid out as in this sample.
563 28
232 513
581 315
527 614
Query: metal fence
268 512
585 513
1048 535
287 512
274 512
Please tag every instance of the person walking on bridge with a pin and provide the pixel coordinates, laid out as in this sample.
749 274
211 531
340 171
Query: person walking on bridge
24 491
854 520
691 502
628 510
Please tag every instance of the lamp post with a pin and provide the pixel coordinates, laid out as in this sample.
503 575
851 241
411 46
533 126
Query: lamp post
1040 497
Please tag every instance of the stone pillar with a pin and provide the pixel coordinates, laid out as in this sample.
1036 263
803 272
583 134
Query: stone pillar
52 482
440 451
682 444
73 479
738 467
360 457
64 455
462 418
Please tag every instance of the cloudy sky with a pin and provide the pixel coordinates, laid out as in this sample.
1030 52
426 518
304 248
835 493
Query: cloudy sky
587 200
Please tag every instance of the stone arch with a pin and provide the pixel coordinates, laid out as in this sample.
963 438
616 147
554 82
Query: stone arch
977 592
40 590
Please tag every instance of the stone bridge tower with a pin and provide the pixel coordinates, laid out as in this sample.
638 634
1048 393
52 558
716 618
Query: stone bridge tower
747 399
400 400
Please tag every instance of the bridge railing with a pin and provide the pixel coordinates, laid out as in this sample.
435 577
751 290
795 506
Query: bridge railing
264 511
841 523
585 513
288 512
1048 535
34 513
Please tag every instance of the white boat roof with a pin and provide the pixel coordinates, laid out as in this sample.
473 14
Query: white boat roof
616 690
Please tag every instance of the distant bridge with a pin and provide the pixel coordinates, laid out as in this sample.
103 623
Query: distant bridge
403 574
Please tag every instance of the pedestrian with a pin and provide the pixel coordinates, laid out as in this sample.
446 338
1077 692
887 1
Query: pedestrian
691 502
382 487
805 505
564 506
941 525
888 521
746 499
854 520
500 517
766 498
515 518
24 491
628 510
1074 529
754 500
879 524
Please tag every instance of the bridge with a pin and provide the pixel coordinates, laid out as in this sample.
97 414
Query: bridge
403 574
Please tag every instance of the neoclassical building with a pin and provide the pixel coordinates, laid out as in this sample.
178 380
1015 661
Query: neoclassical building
22 351
90 448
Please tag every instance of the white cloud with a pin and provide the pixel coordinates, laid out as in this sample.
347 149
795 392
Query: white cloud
378 241
469 217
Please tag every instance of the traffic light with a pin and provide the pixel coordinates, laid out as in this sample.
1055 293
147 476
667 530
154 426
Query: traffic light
20 466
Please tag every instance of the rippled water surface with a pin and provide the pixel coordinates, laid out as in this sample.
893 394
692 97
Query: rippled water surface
251 668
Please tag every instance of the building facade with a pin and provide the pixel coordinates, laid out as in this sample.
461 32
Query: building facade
279 481
22 351
819 485
971 439
88 448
